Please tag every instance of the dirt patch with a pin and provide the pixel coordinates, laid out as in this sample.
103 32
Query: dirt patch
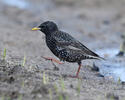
40 79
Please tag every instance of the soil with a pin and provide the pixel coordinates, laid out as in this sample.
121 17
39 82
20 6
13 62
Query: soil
96 23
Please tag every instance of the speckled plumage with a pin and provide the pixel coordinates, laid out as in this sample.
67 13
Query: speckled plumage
64 46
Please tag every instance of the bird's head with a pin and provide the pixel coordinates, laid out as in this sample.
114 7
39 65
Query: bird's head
47 27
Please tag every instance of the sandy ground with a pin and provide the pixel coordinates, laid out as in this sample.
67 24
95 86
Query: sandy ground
96 23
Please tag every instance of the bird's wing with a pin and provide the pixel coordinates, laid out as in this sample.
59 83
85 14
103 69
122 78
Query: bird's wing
64 39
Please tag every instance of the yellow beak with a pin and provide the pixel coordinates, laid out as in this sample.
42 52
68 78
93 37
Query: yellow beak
35 28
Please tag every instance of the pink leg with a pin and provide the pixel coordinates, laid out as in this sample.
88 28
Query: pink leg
77 74
52 59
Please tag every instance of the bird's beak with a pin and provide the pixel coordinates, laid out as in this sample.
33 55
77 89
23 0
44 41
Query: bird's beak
35 28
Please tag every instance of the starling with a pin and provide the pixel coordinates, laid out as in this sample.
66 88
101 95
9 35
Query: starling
64 46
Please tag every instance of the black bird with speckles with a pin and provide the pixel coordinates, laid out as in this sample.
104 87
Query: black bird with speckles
64 46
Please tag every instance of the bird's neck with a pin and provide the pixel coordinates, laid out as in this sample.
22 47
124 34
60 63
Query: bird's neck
49 33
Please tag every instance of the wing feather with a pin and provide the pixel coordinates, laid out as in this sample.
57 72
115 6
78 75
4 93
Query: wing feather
66 40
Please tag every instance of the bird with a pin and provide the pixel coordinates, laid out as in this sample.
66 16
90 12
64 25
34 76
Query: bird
64 46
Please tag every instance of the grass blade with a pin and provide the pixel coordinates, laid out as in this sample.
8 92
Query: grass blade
24 61
4 54
62 84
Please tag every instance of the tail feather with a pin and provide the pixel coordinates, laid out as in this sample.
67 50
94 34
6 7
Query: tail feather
95 57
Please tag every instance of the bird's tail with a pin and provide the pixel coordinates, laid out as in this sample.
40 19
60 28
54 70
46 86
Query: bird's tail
96 57
101 58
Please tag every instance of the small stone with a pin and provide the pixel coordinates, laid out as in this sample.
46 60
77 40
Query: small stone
56 68
71 86
99 75
106 22
120 54
95 68
123 83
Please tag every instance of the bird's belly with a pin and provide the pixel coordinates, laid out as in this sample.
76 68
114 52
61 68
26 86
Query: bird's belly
69 56
74 57
64 54
54 48
60 52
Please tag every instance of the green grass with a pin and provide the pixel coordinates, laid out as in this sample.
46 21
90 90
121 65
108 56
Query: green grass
8 98
67 98
60 97
4 54
62 84
45 78
50 94
56 88
2 98
24 61
22 84
20 97
62 87
119 80
78 87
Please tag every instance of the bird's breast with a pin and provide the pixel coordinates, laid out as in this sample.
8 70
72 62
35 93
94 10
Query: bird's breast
51 43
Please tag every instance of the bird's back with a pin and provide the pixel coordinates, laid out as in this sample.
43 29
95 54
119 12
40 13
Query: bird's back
67 48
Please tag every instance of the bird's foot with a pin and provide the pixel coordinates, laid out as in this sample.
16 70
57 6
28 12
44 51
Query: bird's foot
52 59
75 76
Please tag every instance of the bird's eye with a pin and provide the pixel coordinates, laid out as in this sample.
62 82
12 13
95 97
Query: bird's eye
42 26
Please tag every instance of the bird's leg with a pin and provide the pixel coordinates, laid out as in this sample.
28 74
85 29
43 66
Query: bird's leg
77 73
52 59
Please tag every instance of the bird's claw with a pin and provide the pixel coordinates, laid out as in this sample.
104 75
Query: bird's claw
75 76
52 59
